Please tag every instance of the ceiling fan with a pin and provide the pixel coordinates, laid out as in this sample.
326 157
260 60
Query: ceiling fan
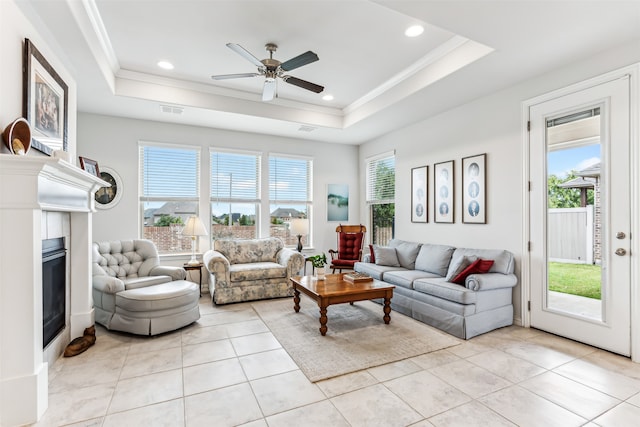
272 69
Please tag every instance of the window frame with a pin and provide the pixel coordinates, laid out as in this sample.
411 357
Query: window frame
257 201
371 199
275 202
142 198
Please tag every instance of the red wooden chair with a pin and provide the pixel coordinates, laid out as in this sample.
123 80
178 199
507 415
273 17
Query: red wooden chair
350 242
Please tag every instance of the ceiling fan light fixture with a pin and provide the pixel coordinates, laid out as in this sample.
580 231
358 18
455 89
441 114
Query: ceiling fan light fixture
327 98
414 31
165 65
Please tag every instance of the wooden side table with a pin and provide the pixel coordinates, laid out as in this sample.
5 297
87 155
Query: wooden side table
190 267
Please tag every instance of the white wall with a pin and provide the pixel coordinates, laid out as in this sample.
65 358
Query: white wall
113 142
491 125
15 27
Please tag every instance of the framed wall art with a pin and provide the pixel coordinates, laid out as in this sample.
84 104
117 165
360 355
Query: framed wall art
474 200
108 197
45 102
337 202
419 181
443 178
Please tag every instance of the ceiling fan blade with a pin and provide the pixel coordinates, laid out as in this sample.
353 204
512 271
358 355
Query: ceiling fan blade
269 90
303 84
234 76
300 60
245 54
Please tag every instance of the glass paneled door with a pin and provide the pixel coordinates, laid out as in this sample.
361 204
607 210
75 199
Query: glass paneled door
580 216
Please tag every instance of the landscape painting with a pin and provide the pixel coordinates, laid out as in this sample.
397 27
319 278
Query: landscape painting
337 202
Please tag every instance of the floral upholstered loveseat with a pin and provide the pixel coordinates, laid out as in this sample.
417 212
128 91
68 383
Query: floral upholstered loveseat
252 269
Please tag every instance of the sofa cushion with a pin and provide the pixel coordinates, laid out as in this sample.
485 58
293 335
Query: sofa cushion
385 255
479 266
441 288
503 260
257 271
434 258
239 251
141 282
350 245
374 270
406 251
405 278
458 265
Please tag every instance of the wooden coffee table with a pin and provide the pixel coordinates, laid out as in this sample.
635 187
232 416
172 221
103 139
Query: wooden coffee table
334 290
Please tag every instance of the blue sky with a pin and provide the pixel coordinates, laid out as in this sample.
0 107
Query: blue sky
561 162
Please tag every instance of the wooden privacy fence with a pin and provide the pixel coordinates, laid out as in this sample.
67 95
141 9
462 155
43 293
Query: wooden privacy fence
570 235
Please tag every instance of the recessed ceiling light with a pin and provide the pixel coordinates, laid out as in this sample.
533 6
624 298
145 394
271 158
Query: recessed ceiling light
165 65
414 31
328 97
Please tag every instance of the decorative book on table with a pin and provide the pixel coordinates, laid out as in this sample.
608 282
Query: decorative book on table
357 277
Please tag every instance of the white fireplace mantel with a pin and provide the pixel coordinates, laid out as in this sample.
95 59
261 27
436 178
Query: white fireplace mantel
31 186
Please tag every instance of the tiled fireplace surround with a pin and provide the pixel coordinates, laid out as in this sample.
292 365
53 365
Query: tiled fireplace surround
40 198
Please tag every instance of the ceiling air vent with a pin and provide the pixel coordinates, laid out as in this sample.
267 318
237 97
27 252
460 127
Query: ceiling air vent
305 128
171 109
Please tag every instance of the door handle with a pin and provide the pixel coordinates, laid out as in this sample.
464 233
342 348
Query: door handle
620 235
621 252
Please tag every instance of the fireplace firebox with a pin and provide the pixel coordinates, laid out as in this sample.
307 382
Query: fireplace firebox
54 277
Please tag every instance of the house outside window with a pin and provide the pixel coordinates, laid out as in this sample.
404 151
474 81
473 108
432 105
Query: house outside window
380 197
235 194
290 196
169 190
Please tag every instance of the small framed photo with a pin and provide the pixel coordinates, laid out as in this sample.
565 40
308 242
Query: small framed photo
419 181
90 166
443 177
45 102
474 200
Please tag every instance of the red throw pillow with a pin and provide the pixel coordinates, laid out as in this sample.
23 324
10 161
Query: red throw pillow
479 266
372 255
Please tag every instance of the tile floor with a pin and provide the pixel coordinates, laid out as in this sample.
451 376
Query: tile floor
229 370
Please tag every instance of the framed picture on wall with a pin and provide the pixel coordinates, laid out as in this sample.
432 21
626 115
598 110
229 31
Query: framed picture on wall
443 177
337 202
474 200
45 102
419 181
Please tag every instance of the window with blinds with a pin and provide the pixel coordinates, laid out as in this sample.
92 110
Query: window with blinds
380 197
169 194
290 195
235 194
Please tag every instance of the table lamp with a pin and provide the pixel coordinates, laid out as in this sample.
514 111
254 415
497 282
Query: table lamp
194 228
299 226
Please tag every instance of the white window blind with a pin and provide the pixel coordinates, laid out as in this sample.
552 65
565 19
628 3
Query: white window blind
235 177
289 179
169 173
381 179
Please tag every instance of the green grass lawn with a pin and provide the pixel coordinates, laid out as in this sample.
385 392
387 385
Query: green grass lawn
575 279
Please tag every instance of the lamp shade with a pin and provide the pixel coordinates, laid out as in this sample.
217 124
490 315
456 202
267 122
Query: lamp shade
299 226
194 227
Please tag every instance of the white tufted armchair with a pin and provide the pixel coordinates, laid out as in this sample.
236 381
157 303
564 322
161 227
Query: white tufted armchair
132 292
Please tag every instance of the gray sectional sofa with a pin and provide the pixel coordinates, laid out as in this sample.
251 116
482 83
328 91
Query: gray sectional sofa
422 272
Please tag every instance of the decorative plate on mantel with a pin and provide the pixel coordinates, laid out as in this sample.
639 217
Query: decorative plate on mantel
108 197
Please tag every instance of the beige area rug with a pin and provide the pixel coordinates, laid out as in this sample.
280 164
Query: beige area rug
357 337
